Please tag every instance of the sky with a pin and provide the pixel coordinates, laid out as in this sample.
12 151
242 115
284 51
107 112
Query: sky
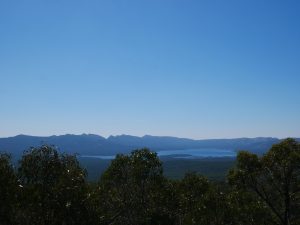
186 68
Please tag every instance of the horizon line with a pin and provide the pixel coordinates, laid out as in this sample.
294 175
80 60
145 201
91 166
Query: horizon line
138 136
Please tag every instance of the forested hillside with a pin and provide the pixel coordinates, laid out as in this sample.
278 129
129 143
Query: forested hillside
50 188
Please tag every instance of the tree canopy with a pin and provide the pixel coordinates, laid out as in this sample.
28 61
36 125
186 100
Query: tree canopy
48 187
274 179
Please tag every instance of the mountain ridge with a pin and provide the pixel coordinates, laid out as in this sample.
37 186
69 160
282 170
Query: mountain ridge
93 144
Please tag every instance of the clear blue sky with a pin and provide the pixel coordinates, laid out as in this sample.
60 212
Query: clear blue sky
198 69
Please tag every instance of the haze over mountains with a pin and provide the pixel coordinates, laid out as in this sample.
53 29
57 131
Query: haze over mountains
91 144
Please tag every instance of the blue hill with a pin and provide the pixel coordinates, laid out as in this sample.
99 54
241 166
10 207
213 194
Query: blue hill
90 144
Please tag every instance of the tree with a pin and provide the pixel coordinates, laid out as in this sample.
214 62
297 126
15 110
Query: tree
274 179
191 191
54 188
130 189
243 207
8 190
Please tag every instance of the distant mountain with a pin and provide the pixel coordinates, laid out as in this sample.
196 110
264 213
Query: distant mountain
260 144
90 144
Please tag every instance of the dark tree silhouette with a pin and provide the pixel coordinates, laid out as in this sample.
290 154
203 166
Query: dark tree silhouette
54 188
274 178
8 190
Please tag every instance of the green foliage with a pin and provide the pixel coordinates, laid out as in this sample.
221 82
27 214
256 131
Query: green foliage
8 190
129 190
192 191
274 179
50 188
213 168
53 188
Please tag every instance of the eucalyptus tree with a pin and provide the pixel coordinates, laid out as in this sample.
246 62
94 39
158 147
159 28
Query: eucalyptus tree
275 180
54 188
130 190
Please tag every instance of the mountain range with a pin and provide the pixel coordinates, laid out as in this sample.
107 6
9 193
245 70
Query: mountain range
91 144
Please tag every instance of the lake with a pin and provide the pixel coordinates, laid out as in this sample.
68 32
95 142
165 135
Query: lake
183 154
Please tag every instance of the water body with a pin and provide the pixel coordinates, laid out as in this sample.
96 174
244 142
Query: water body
183 154
197 153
